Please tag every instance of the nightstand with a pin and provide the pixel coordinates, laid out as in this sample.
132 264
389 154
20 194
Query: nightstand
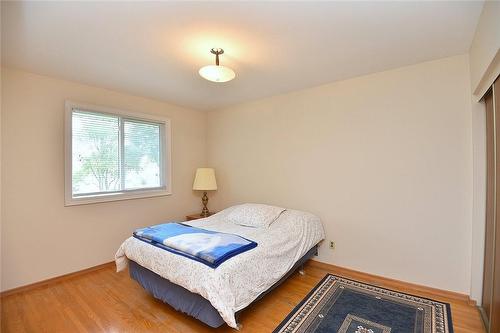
197 216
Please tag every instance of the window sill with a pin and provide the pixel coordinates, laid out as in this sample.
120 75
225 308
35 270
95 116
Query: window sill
85 200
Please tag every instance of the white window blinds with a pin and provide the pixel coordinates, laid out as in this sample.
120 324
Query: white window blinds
111 153
96 153
141 154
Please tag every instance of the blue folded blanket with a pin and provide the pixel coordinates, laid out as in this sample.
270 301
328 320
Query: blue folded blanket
208 247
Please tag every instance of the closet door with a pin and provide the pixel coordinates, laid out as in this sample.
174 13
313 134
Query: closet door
490 206
491 278
495 293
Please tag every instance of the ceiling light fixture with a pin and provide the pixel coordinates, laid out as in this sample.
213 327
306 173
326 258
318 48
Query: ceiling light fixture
217 73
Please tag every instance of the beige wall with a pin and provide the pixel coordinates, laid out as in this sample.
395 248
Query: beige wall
385 160
41 238
479 199
484 68
485 49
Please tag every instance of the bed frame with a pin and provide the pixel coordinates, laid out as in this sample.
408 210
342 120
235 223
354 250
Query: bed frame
193 304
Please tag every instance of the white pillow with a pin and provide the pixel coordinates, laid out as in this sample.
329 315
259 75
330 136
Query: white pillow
254 215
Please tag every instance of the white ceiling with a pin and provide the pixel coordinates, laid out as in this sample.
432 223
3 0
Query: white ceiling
155 49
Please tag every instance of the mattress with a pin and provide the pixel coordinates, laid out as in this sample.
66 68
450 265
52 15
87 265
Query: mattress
240 280
190 303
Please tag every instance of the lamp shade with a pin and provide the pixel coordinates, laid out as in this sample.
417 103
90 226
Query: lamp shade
205 180
217 73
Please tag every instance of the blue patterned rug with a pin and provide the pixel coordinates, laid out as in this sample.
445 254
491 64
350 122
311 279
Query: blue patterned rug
341 305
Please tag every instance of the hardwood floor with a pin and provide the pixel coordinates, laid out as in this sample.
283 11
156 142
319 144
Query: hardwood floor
105 301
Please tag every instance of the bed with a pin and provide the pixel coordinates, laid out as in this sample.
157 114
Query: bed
216 296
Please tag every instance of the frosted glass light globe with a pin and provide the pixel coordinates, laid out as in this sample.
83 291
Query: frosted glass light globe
216 73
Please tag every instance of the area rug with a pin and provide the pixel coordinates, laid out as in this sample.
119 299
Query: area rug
341 305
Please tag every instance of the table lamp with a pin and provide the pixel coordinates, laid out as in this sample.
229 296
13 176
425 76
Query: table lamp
205 181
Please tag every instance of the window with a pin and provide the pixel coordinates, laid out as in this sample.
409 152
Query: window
115 155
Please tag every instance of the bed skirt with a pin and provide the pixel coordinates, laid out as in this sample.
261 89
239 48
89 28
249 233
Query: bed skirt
190 303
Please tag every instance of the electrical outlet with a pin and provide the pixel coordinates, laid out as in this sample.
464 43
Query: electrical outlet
332 245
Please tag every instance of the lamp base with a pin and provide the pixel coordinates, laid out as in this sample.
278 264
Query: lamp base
204 200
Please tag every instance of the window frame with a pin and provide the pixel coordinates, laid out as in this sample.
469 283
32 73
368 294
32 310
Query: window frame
166 157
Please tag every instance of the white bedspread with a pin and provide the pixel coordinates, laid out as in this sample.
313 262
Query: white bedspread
240 280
